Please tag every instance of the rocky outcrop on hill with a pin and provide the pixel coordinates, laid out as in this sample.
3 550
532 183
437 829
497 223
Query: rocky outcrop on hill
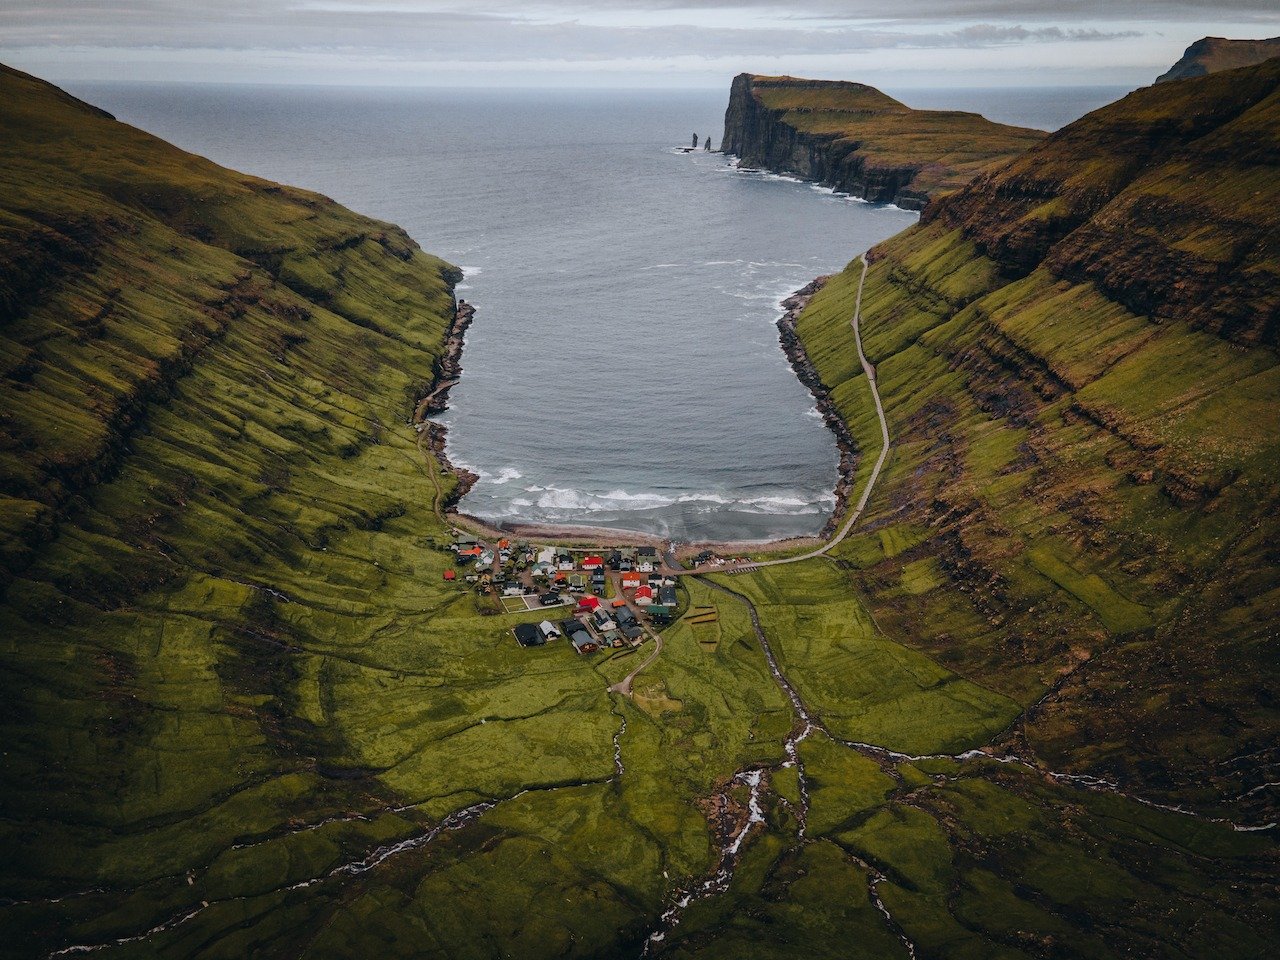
1211 54
861 141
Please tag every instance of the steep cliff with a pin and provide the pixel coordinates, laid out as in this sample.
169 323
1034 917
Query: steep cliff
1079 357
1212 54
862 141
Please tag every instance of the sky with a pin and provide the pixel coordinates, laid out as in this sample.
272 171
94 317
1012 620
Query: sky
616 43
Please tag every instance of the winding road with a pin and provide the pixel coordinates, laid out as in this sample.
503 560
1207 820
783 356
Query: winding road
843 532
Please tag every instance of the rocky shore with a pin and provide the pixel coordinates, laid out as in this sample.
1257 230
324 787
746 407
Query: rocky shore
448 370
804 370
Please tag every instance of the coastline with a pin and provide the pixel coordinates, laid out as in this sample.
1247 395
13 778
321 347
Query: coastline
802 367
448 371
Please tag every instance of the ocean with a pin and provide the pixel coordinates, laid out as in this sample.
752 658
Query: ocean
623 369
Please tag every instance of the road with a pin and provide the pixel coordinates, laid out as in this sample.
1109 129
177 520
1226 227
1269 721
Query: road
843 532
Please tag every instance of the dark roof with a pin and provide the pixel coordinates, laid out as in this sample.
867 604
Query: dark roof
648 551
633 630
667 595
624 615
529 635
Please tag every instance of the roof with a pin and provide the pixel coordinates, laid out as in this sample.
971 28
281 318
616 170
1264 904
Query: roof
644 591
648 551
549 627
528 634
593 559
620 603
471 552
589 602
450 575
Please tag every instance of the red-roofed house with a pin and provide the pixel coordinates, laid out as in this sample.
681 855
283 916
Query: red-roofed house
593 563
631 580
644 595
591 603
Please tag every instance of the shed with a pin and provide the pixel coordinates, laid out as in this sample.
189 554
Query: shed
450 575
620 605
549 629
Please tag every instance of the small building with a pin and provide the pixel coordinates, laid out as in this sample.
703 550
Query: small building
527 635
618 605
588 603
513 589
644 596
592 562
703 557
667 596
631 580
614 560
612 637
582 642
550 599
549 630
450 575
659 613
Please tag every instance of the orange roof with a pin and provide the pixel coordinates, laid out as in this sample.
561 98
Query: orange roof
471 552
449 574
619 603
503 544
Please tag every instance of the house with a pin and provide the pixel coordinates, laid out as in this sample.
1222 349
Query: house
564 561
485 559
582 642
569 626
592 562
659 613
550 599
602 619
588 603
619 604
703 557
513 590
464 544
547 556
527 635
504 544
633 632
644 596
615 560
612 637
597 578
624 616
667 596
450 575
576 582
631 580
470 553
549 630
647 559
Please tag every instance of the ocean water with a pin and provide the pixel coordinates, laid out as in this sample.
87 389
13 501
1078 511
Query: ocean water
623 369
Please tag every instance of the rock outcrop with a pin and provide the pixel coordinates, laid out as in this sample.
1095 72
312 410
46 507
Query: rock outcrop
861 141
1212 54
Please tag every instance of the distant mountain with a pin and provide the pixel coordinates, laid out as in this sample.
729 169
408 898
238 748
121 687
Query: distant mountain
862 141
1212 54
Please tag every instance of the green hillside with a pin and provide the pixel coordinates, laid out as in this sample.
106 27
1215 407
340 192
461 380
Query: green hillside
1078 356
243 714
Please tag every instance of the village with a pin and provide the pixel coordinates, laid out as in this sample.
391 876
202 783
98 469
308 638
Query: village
594 599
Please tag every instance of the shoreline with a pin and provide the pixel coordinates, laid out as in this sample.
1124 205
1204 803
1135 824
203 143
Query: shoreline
448 371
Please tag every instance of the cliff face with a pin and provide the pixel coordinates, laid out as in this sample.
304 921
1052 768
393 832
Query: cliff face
1080 361
1212 54
861 141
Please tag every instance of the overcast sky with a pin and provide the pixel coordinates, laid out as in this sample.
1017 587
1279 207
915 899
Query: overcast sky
650 43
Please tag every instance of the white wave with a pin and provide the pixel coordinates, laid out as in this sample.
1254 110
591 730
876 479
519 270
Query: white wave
521 502
507 474
471 271
813 412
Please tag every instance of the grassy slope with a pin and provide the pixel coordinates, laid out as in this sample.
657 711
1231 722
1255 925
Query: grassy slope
942 149
1078 356
231 665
